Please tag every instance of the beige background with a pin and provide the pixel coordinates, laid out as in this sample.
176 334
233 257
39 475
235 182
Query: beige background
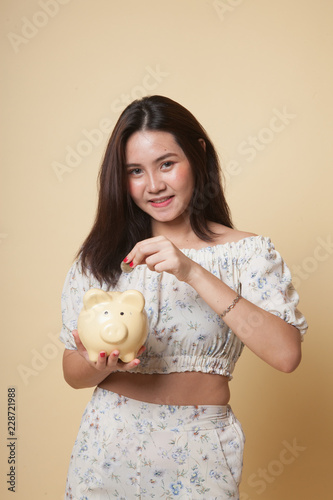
71 66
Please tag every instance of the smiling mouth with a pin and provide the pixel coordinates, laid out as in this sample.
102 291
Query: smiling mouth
161 201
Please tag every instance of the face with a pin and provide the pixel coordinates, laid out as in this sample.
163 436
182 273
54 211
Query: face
160 177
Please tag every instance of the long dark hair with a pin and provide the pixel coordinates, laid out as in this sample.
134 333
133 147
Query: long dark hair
119 223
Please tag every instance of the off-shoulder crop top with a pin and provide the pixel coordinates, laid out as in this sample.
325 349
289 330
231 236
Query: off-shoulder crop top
185 334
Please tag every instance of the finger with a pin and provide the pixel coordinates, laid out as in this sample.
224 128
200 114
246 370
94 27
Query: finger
77 340
152 261
141 350
149 250
143 248
104 361
101 360
113 358
128 366
130 256
116 363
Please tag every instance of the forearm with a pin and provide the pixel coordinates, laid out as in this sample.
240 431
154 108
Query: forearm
79 373
268 336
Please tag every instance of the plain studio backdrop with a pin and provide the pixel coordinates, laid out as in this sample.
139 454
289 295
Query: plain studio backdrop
258 76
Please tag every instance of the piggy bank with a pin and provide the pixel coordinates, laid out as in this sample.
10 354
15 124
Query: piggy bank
113 320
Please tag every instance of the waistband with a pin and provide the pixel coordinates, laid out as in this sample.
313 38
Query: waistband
155 416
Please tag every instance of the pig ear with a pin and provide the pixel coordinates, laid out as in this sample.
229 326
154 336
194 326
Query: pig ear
95 296
133 298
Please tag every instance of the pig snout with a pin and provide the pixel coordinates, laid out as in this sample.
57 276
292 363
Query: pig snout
114 333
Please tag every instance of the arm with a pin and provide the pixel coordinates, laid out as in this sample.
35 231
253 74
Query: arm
268 336
80 372
272 339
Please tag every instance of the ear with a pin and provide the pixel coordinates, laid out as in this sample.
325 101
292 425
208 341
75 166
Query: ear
133 298
95 296
203 143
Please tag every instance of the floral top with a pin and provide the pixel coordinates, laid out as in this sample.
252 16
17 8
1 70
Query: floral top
185 334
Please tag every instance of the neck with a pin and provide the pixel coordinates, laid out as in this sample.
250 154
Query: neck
179 232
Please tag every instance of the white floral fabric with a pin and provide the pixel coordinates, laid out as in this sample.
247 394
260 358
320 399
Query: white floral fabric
185 334
127 449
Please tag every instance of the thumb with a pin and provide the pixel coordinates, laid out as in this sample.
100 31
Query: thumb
78 342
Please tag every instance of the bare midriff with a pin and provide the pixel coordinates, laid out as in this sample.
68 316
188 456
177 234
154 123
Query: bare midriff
188 388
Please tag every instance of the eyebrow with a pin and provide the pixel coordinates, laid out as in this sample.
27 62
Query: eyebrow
160 158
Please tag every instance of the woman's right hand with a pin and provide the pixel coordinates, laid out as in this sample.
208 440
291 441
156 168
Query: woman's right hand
80 372
106 363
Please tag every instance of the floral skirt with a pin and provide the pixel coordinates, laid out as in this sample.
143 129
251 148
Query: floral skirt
127 449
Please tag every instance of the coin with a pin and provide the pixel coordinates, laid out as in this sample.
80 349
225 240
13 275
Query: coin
126 267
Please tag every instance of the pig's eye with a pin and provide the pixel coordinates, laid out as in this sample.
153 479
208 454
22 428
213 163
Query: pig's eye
106 313
121 314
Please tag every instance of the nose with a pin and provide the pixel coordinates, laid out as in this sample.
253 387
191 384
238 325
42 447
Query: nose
155 183
114 333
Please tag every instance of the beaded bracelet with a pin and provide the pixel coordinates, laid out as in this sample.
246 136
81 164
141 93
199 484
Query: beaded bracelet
232 305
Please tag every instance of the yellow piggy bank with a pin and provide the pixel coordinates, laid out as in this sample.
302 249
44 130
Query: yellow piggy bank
113 320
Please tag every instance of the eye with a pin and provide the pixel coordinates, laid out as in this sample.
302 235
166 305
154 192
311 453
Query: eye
168 164
106 313
122 313
134 171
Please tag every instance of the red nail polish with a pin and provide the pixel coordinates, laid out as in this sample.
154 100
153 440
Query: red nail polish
131 264
125 259
102 354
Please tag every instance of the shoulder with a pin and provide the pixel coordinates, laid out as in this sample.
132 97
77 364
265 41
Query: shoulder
228 235
79 278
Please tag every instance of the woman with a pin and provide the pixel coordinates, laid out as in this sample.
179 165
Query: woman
161 426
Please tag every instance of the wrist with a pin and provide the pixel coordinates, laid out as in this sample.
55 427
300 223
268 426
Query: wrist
195 274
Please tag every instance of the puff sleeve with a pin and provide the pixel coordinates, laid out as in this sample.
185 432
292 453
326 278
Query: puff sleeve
266 282
75 286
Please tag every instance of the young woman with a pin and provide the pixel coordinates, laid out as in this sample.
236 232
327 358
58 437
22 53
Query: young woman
161 426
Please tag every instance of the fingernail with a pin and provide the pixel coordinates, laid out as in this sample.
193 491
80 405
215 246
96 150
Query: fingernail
131 264
115 353
125 259
102 354
137 362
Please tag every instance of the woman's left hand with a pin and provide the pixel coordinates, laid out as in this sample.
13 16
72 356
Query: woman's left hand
160 254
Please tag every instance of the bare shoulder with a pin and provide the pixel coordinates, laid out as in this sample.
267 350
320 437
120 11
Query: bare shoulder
228 235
